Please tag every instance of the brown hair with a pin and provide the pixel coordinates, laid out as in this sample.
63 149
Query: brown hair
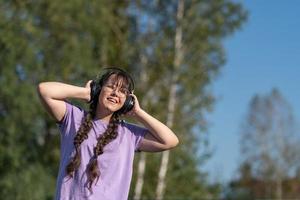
111 133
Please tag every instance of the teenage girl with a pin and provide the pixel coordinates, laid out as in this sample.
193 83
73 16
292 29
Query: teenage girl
97 148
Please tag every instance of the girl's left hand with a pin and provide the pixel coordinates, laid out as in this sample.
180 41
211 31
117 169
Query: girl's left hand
136 108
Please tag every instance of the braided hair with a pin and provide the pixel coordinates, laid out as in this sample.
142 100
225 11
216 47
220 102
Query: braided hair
111 133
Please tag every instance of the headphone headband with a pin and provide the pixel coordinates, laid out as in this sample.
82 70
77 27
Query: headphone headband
108 71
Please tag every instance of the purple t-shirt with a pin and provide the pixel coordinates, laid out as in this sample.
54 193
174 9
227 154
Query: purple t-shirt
115 163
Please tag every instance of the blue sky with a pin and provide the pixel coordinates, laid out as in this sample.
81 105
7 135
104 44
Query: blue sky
264 54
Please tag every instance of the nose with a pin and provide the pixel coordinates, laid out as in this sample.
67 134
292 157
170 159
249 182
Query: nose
114 91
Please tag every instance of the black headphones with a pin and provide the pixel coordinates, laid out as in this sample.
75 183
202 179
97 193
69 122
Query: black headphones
97 84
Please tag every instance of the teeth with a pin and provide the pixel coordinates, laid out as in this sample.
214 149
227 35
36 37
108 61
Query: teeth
112 100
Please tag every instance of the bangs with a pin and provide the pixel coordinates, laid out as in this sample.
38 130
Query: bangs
122 80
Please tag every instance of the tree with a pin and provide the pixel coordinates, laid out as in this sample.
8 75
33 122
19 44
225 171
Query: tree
44 41
203 26
269 147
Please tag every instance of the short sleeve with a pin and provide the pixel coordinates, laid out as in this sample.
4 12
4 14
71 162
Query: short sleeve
138 133
73 115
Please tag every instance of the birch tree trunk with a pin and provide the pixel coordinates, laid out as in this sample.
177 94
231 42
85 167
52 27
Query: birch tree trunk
140 177
178 55
142 161
278 188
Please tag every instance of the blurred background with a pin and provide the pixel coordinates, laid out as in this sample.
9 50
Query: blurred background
222 74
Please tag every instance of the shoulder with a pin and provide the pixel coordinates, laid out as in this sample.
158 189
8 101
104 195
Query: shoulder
74 107
133 128
129 126
73 113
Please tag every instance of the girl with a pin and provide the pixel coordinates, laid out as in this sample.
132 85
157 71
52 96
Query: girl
97 148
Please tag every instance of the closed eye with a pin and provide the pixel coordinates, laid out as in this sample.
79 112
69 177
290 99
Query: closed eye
124 91
110 86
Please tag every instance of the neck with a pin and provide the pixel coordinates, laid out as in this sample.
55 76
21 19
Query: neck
103 114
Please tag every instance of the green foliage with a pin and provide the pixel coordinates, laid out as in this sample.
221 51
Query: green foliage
32 181
205 24
47 41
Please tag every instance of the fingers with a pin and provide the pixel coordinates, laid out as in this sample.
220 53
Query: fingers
87 85
133 95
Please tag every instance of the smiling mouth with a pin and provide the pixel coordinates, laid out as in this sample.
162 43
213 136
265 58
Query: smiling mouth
112 100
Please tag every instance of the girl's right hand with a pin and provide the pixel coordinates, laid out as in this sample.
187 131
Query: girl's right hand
88 88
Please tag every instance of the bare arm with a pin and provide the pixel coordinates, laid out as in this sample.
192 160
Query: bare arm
160 137
53 94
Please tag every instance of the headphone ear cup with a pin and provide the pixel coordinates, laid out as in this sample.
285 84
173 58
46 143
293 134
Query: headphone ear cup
128 105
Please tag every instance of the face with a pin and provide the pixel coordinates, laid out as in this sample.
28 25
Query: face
113 93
